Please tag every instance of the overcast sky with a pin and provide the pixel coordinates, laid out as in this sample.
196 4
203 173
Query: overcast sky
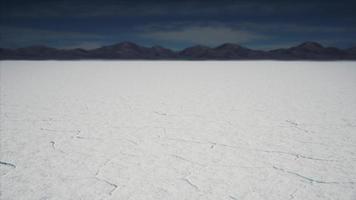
176 24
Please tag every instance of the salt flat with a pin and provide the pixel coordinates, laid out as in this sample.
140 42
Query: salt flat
177 130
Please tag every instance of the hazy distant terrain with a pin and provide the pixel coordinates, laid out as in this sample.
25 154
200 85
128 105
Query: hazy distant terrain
177 130
227 51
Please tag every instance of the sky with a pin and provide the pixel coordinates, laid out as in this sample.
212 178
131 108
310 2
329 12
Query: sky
176 24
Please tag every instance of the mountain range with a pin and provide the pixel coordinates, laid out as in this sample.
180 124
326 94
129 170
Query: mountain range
227 51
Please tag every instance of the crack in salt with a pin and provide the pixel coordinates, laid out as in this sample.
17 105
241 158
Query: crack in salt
296 125
292 195
56 130
53 143
104 180
297 155
187 160
109 183
191 184
213 144
311 180
160 113
232 197
8 164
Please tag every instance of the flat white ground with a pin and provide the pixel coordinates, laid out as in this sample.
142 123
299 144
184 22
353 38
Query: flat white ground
178 130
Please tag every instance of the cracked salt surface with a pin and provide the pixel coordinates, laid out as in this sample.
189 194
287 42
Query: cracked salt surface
177 130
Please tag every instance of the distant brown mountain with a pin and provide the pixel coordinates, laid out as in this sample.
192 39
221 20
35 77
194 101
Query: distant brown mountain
311 51
227 51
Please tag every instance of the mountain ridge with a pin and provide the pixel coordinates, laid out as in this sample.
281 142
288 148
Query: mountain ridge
228 51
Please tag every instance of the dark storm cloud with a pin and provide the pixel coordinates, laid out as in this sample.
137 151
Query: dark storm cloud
18 37
66 8
177 23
